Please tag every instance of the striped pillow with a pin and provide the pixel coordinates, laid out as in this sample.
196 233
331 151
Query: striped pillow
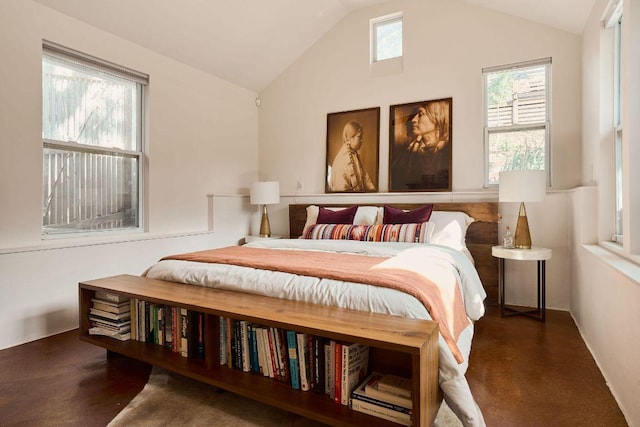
412 233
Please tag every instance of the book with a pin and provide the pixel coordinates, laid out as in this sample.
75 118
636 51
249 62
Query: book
110 297
319 385
109 315
332 369
159 324
273 353
371 389
262 359
111 307
168 327
222 330
254 365
134 318
111 328
199 350
395 384
184 332
381 412
294 369
283 353
122 336
337 375
236 345
268 353
108 322
244 345
175 318
230 340
147 322
355 366
303 361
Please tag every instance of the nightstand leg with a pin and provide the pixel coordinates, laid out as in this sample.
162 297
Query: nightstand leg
541 289
501 285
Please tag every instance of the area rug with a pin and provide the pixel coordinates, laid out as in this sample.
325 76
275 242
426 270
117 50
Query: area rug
169 399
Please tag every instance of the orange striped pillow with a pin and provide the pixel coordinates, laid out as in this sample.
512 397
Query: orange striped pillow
412 233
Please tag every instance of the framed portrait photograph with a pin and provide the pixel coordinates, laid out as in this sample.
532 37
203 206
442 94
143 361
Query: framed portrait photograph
353 139
420 146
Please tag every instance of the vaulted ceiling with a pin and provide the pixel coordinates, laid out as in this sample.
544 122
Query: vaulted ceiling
250 42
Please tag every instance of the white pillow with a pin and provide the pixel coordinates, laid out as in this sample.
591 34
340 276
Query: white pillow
368 215
365 215
450 228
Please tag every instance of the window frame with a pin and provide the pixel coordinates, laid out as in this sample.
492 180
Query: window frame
618 226
373 35
139 155
546 124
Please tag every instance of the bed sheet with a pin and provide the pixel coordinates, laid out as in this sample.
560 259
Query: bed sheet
353 296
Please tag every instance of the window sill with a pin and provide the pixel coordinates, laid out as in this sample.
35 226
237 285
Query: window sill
79 243
613 255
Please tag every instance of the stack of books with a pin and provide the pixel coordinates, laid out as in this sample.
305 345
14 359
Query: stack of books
110 316
385 396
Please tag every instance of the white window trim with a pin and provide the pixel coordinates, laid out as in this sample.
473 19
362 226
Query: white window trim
373 24
615 21
546 125
57 50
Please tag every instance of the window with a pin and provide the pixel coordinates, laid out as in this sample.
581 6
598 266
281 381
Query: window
516 123
92 143
386 37
617 121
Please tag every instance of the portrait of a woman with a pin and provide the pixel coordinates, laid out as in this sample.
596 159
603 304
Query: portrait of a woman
420 146
352 151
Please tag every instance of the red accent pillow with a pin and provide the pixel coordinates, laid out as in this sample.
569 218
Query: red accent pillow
343 216
398 216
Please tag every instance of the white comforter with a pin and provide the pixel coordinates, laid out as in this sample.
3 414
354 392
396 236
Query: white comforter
353 295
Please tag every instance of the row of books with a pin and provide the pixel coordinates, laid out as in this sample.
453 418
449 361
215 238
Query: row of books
122 318
176 328
305 361
110 315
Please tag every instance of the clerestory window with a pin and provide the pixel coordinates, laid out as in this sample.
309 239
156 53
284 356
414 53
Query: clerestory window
386 37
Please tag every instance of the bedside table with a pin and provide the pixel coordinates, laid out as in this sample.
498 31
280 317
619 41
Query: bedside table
541 255
254 238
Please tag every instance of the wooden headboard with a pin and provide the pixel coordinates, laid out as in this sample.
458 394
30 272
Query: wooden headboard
482 234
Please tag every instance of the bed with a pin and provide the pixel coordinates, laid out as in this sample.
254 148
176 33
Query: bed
462 259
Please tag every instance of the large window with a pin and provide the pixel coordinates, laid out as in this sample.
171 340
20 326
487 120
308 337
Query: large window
516 125
386 37
92 143
617 120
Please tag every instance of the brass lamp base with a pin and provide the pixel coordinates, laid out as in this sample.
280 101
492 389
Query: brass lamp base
265 227
522 238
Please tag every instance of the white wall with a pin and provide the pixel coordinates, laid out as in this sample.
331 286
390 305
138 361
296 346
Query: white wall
202 138
605 287
605 303
446 45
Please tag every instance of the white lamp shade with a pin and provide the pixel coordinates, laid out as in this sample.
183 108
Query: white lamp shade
265 193
522 186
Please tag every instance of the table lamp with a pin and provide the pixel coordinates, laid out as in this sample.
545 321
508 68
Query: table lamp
522 186
265 193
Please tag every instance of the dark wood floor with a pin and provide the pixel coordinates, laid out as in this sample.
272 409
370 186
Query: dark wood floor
522 373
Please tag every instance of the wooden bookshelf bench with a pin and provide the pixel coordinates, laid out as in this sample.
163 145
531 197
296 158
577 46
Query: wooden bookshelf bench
407 347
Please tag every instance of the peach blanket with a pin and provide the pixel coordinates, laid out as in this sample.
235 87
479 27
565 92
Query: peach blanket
443 301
